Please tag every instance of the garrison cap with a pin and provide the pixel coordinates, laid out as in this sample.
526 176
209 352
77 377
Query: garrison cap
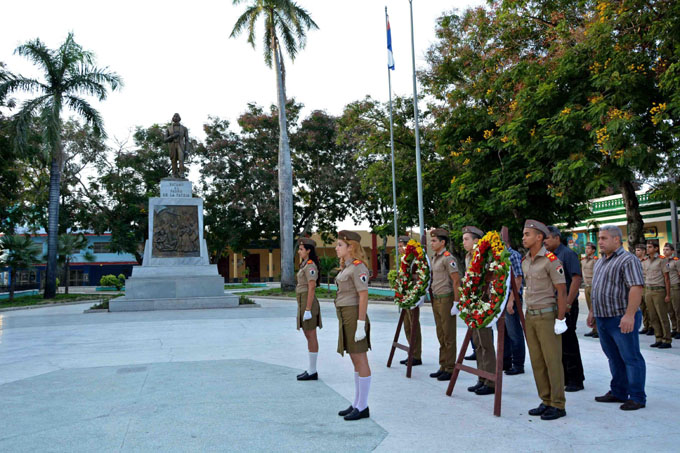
536 225
308 241
668 244
641 246
439 232
349 236
654 242
404 239
590 244
473 230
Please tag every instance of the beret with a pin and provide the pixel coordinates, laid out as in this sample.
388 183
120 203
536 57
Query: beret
473 230
439 232
308 241
349 236
536 225
404 239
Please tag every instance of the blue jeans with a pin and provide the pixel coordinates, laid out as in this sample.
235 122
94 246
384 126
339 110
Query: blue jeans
625 360
514 351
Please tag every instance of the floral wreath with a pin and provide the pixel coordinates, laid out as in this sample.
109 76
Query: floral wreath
490 261
413 279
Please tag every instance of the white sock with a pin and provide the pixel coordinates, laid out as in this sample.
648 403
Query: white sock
312 362
364 387
356 390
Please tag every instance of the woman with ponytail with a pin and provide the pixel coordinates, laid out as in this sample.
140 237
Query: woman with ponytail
309 312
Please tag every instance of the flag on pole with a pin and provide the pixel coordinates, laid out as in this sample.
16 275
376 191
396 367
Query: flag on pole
390 57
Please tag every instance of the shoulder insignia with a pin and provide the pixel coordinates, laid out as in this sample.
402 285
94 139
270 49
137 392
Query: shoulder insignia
675 258
447 253
596 257
551 256
357 262
310 262
662 257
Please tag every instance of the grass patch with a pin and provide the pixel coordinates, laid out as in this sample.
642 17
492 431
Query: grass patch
243 300
37 299
321 293
242 286
103 305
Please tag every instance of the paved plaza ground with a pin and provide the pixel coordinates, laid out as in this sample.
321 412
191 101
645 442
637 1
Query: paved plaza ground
224 380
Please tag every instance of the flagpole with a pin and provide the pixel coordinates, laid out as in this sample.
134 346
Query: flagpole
394 180
419 176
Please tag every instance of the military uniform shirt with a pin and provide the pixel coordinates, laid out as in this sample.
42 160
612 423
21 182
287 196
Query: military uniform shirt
654 268
352 279
673 266
541 275
587 266
307 272
443 264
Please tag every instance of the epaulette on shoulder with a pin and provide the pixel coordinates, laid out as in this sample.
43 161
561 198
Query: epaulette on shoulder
551 256
357 262
310 262
662 257
644 259
596 257
675 258
447 253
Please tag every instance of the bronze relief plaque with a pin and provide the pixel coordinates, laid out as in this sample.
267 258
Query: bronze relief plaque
175 232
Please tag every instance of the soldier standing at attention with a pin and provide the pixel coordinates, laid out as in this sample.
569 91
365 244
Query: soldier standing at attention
641 254
354 330
445 287
483 338
545 322
657 294
408 320
587 266
309 312
674 276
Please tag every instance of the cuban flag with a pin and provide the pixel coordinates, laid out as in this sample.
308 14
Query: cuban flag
390 57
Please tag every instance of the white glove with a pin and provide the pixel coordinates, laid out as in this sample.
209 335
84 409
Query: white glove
307 316
360 334
560 326
454 309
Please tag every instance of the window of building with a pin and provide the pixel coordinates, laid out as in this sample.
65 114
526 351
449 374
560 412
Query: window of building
101 247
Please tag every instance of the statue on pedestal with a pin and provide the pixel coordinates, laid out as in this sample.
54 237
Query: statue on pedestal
177 136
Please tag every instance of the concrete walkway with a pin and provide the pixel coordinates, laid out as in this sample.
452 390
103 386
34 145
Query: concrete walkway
224 380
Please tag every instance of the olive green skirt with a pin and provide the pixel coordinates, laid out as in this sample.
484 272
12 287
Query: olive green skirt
348 317
310 324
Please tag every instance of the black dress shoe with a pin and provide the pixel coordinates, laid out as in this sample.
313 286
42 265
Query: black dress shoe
445 376
650 331
485 390
553 413
308 377
476 387
436 374
356 414
677 336
472 356
302 374
588 334
608 398
347 411
631 405
665 346
514 370
573 387
674 333
540 410
416 362
596 335
655 345
643 331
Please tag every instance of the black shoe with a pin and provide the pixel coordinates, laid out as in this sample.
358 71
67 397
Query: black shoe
347 411
308 377
608 398
674 333
631 405
677 336
302 374
643 331
485 390
514 370
415 362
553 413
588 334
445 376
665 346
596 335
573 387
436 374
357 415
655 345
650 331
540 410
472 356
476 387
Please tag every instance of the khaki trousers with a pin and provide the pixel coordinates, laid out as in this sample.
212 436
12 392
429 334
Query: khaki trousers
486 353
646 323
658 314
590 304
446 332
674 310
545 351
418 340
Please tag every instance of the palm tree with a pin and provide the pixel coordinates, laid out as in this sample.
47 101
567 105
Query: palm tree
18 252
69 246
286 19
69 73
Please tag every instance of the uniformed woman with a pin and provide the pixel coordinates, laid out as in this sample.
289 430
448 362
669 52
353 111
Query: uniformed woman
309 313
354 329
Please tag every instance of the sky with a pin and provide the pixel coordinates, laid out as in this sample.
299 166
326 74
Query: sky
176 56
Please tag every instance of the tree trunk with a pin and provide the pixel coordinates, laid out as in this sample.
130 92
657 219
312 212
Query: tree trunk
383 269
12 278
53 225
633 216
66 278
285 185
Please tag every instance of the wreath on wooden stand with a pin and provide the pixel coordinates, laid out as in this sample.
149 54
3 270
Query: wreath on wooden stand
413 280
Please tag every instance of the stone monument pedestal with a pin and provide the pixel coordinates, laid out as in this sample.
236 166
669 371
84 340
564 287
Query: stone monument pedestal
176 273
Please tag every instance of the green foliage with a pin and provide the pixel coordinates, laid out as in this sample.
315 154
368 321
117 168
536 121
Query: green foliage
245 300
328 264
392 277
17 253
112 281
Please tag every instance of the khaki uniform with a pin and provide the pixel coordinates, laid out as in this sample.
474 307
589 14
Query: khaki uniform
587 267
351 279
307 273
655 294
443 265
643 305
673 266
545 348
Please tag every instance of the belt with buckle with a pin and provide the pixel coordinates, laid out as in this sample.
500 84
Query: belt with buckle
442 296
540 311
656 288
